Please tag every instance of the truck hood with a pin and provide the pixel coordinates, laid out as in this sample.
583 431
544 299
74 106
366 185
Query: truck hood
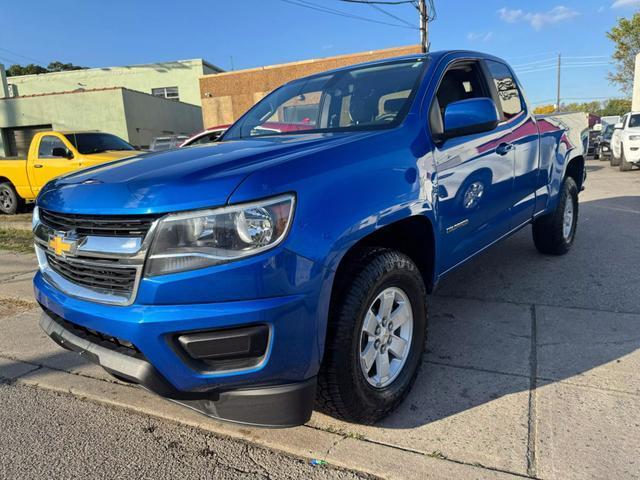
181 179
108 156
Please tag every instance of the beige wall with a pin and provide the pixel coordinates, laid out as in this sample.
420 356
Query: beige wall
226 96
148 117
133 116
183 74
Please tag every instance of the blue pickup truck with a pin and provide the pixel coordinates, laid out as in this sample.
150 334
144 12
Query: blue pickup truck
289 265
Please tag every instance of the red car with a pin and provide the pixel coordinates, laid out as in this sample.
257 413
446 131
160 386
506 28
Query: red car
209 135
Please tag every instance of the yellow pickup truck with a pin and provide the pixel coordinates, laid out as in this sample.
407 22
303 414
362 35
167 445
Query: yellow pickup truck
52 154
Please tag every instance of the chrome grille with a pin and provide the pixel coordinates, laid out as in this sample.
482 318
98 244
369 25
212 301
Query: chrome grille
103 275
99 225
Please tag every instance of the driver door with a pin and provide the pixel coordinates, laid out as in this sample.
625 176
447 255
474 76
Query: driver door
47 165
474 172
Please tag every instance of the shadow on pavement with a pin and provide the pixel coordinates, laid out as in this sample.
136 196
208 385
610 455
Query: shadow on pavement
483 316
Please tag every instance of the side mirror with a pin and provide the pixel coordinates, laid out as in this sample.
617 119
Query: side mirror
618 126
466 117
62 152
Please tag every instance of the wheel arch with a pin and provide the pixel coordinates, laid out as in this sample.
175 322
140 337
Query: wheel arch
413 236
576 169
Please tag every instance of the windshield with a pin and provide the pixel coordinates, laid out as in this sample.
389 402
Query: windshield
634 121
608 132
359 98
87 143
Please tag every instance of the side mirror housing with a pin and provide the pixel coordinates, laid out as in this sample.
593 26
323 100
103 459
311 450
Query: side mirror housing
618 126
467 117
62 152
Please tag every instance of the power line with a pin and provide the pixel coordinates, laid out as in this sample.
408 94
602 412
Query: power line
426 10
388 14
20 55
373 2
320 8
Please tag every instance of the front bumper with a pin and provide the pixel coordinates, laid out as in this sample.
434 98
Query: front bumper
274 406
632 152
277 391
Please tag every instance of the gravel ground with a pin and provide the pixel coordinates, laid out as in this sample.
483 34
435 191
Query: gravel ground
50 435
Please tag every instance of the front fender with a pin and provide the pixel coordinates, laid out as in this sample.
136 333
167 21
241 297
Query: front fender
344 195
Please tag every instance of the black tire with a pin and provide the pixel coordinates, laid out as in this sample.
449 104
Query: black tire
343 390
601 155
596 153
10 201
548 235
624 165
613 160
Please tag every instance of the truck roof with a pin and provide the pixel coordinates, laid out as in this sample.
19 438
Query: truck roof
435 56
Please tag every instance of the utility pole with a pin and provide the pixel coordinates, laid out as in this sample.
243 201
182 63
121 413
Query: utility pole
558 92
424 26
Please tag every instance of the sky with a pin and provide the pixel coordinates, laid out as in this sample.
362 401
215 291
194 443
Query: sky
236 34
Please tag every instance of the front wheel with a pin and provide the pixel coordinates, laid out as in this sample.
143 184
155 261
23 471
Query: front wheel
624 165
10 202
554 233
375 337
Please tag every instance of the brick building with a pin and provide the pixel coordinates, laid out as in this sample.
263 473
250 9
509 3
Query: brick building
226 96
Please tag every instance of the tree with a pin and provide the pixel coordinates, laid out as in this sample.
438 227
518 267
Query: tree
615 106
31 69
626 37
590 107
544 109
63 67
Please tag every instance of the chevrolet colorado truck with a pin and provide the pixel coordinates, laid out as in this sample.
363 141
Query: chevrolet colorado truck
254 278
52 154
625 142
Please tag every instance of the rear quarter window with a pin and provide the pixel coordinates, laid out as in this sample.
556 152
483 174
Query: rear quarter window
511 101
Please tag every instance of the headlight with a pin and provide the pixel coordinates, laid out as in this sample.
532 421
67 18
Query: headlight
634 137
202 238
35 218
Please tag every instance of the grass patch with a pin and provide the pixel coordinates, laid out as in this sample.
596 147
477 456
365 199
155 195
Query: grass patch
16 240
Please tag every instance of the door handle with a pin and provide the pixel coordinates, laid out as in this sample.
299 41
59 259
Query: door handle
504 148
37 165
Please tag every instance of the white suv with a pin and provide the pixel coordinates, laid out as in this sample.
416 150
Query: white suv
625 142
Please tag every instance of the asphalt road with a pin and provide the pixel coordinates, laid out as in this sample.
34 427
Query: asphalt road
51 435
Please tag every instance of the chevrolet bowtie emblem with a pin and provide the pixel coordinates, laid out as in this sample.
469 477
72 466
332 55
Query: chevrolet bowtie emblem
60 246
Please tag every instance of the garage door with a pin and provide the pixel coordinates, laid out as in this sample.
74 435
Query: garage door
19 138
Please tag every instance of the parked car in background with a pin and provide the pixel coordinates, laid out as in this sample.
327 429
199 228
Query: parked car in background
166 143
625 142
291 262
604 142
209 135
50 155
594 137
609 120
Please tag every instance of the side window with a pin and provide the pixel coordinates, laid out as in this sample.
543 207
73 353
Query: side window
507 89
460 82
47 144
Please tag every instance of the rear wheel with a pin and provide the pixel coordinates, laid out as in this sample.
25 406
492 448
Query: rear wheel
375 337
10 202
613 160
554 233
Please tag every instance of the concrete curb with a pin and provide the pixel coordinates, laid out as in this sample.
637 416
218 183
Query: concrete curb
307 442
